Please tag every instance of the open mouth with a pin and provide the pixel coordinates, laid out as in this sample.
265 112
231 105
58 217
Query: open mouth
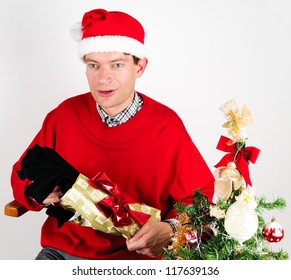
105 92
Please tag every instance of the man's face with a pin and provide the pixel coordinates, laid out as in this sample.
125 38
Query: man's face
111 77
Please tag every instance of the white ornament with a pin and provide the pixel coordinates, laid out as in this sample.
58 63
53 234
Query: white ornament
241 221
248 196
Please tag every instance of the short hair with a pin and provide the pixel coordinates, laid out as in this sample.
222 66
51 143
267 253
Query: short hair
135 59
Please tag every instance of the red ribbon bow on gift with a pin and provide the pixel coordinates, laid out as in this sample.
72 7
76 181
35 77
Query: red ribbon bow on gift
114 204
240 155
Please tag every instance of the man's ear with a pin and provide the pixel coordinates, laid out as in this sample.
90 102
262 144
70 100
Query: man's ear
141 66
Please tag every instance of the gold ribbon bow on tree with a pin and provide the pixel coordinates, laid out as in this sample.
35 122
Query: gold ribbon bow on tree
236 149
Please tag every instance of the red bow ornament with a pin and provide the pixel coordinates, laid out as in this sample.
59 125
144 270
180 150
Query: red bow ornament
239 154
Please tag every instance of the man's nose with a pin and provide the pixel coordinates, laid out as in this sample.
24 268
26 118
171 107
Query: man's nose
104 75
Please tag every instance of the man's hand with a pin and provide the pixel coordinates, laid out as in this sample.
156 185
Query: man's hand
151 239
54 197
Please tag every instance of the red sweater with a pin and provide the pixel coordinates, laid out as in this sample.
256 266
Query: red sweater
151 158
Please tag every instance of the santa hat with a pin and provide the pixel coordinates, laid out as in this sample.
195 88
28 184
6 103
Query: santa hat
103 31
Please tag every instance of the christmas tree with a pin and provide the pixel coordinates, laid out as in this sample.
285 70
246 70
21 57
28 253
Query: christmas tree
232 225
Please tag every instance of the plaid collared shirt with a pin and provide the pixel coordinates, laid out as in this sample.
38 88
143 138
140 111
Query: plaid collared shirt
123 116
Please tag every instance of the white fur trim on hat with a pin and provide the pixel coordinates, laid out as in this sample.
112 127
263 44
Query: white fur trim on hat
111 44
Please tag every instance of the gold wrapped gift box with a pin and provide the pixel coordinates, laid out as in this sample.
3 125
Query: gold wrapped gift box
83 199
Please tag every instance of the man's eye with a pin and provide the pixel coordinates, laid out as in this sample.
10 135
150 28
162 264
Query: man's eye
92 65
118 65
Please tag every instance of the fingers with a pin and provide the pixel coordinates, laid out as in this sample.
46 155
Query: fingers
54 197
151 239
134 244
139 243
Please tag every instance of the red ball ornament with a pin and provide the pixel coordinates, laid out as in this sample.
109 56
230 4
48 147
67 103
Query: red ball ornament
273 231
207 233
194 237
191 238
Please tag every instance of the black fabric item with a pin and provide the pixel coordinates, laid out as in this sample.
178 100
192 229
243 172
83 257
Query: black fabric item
60 213
47 169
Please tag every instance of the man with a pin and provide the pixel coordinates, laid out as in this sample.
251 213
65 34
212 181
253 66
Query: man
139 143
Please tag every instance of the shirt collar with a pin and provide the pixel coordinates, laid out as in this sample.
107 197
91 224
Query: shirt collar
124 115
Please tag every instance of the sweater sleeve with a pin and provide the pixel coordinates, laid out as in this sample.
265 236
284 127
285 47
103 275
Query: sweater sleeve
45 137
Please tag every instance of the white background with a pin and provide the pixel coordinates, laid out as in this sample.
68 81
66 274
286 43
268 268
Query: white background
201 54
